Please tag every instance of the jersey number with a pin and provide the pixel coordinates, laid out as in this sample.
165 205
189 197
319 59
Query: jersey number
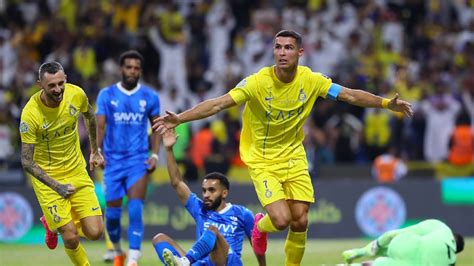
51 208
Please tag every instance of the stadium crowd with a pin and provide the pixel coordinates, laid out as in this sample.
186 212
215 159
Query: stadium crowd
197 49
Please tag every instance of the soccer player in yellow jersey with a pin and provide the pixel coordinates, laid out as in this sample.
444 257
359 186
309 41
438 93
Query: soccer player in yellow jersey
51 154
278 101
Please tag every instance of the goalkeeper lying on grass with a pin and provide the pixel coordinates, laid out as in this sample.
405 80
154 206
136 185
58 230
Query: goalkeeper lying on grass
430 242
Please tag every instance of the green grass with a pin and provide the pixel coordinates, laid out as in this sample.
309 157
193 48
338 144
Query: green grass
318 252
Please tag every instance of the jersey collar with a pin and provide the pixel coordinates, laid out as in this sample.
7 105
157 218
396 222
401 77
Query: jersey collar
228 205
128 92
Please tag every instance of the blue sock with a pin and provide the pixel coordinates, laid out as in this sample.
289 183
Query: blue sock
160 246
135 227
202 247
112 222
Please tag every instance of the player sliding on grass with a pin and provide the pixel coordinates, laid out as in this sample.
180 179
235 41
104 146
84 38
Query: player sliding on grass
220 226
430 242
278 100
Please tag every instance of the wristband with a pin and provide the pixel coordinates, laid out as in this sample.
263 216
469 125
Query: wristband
155 156
385 102
99 150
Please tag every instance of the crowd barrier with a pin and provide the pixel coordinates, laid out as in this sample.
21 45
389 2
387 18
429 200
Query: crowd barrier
343 208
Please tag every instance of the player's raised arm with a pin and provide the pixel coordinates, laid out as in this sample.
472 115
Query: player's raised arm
201 110
366 99
176 180
29 165
155 147
96 158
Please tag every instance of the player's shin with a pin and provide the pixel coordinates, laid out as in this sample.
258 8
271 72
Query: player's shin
135 228
294 247
78 256
202 247
266 225
112 220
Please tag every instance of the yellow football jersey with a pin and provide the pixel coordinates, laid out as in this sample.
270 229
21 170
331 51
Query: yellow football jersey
275 113
54 133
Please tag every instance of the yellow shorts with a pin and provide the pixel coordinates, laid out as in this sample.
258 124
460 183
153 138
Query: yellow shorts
289 181
59 211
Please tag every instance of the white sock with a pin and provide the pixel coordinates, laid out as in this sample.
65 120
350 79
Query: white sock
133 255
117 248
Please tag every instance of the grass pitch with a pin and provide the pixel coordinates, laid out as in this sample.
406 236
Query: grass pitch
318 252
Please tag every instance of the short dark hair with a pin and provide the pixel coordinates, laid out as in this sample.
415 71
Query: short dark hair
49 67
218 176
459 242
131 54
290 33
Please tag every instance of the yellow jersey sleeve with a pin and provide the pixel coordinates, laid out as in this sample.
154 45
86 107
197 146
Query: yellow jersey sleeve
29 125
244 90
82 97
321 84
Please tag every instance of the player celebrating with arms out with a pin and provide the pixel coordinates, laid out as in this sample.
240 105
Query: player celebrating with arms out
123 112
278 100
220 225
51 153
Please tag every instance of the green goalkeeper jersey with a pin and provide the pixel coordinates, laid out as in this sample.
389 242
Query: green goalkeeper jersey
430 242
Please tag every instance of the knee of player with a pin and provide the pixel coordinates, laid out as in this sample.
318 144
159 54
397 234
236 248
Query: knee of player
281 222
160 237
95 233
71 240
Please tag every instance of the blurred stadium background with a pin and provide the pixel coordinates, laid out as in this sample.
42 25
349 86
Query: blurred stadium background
197 49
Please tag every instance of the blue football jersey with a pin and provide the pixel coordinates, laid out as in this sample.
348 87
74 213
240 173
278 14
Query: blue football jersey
234 221
127 116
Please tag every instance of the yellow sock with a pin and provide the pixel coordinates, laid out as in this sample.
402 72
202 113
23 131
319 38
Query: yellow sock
108 243
294 247
78 256
266 225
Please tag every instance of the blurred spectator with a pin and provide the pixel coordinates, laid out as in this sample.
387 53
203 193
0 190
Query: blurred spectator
440 111
388 168
377 132
169 40
461 151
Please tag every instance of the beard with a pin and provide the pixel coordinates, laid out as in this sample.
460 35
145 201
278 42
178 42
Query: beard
216 203
129 83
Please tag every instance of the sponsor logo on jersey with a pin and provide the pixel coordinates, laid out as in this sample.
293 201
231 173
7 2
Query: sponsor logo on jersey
378 210
224 228
128 118
114 103
50 135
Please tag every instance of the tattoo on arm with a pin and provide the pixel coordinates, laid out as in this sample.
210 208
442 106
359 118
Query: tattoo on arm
27 151
91 126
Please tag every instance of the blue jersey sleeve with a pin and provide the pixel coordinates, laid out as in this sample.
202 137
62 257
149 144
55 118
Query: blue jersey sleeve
155 105
248 221
194 205
100 108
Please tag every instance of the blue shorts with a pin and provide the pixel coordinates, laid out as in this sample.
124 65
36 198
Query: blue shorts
120 176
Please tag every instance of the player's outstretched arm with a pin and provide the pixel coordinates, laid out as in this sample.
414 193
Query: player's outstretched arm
367 99
96 158
176 180
29 165
200 111
155 146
